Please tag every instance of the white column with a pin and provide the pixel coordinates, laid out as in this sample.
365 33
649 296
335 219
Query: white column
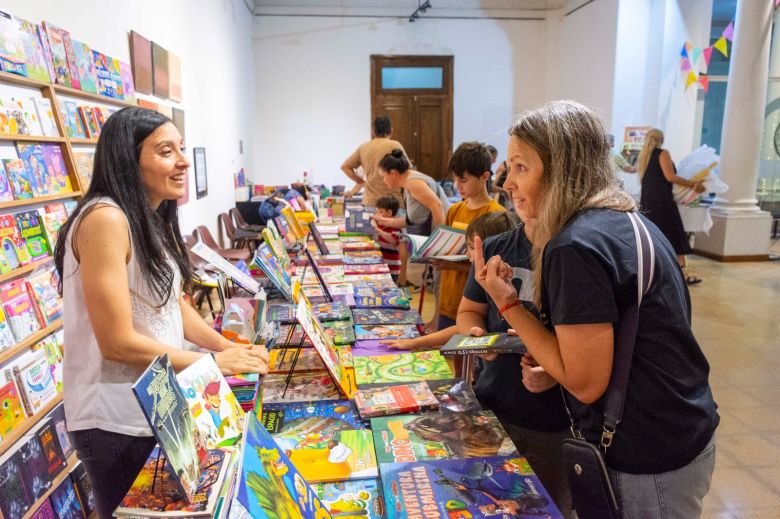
741 229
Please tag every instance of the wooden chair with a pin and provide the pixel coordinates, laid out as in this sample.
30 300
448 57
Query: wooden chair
201 287
238 239
241 224
203 234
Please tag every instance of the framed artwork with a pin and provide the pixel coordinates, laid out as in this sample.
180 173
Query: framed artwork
141 62
160 76
174 77
201 181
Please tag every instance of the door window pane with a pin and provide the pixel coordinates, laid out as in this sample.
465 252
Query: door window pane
412 77
712 123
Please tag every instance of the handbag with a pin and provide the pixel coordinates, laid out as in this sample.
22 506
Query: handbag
591 490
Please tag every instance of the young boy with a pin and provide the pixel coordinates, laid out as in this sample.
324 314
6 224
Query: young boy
470 169
489 224
389 237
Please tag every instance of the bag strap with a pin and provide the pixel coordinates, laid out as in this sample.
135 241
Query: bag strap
615 400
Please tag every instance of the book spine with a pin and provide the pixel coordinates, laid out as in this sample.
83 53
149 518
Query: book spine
17 374
479 351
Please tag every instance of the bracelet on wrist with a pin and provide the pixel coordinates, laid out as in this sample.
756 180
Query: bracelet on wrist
507 306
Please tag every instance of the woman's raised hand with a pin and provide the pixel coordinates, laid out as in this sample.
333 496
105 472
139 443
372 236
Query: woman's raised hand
495 276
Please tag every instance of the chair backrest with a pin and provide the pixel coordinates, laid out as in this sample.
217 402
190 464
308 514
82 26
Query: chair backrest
237 217
227 224
203 234
196 261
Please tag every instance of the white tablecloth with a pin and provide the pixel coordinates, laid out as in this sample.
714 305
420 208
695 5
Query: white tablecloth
695 219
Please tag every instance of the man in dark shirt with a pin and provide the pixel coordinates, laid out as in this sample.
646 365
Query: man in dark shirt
536 422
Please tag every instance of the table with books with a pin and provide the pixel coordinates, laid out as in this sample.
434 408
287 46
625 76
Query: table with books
342 425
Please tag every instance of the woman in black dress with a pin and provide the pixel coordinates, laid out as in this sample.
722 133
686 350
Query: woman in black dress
658 173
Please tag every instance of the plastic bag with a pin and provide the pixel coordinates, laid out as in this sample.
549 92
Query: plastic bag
700 165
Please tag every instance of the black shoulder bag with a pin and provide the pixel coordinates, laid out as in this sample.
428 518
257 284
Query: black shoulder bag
591 490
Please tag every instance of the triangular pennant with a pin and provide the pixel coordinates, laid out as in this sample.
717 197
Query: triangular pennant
696 54
688 47
684 52
685 65
707 53
690 80
704 81
722 46
728 32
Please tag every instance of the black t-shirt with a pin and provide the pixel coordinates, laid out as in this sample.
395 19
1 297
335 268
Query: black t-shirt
500 384
590 276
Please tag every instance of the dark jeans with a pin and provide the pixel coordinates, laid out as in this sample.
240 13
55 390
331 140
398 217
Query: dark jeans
112 462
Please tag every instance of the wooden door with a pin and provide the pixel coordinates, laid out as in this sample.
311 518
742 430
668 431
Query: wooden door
415 92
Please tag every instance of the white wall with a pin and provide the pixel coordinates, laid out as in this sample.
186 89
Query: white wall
313 87
213 40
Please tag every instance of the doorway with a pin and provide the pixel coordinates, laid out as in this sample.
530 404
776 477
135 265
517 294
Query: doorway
415 92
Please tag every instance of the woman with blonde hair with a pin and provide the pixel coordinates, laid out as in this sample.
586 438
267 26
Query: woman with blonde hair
662 456
658 174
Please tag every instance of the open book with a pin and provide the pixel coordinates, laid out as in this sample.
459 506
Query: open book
445 243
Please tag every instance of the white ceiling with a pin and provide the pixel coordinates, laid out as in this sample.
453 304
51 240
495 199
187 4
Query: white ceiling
411 5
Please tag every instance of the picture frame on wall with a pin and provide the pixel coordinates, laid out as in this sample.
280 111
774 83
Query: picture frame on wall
141 62
201 180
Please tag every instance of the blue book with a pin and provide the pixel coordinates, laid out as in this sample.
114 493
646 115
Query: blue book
65 501
35 164
269 482
502 486
162 402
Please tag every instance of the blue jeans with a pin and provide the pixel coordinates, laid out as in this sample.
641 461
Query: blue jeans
112 462
669 495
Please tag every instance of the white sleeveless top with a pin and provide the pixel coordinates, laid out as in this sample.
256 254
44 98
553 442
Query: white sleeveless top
97 392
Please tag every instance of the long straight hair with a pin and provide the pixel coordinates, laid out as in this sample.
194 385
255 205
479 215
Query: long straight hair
653 139
578 173
117 175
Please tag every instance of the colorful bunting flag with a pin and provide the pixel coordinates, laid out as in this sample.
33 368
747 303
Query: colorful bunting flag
688 47
691 79
685 65
696 54
728 32
722 47
707 53
684 52
704 81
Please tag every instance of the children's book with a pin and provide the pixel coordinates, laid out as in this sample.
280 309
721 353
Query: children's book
35 468
281 359
240 277
72 119
266 260
84 489
46 116
19 178
155 493
165 407
65 501
341 332
315 234
6 335
359 222
128 86
116 77
361 260
372 348
42 288
104 80
381 301
85 68
281 312
401 368
269 482
488 343
35 59
6 191
369 316
335 311
32 157
12 52
500 486
54 217
19 309
454 395
385 331
59 56
52 451
360 499
432 436
303 387
55 164
300 417
445 243
295 339
58 419
84 164
14 250
380 268
11 409
35 383
33 233
53 357
45 511
43 36
211 402
390 400
72 66
14 499
99 117
89 121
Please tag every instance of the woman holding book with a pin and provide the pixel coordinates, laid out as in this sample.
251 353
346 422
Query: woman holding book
124 268
586 272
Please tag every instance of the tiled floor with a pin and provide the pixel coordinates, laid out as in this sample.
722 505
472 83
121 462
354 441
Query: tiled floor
736 318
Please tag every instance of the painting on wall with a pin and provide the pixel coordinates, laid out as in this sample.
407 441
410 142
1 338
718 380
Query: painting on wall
161 79
201 181
174 77
141 62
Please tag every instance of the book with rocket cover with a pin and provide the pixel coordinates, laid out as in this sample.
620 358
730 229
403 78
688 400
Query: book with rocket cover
303 387
35 468
373 348
400 368
385 331
499 486
352 499
11 409
488 343
341 332
19 178
167 411
370 316
432 436
390 400
154 492
326 441
31 229
380 268
269 485
212 404
454 395
14 498
281 359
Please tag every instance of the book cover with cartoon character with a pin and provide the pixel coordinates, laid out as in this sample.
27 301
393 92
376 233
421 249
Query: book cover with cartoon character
385 331
400 368
361 499
365 316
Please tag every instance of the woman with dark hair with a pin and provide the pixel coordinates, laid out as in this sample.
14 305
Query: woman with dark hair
425 200
123 267
661 458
